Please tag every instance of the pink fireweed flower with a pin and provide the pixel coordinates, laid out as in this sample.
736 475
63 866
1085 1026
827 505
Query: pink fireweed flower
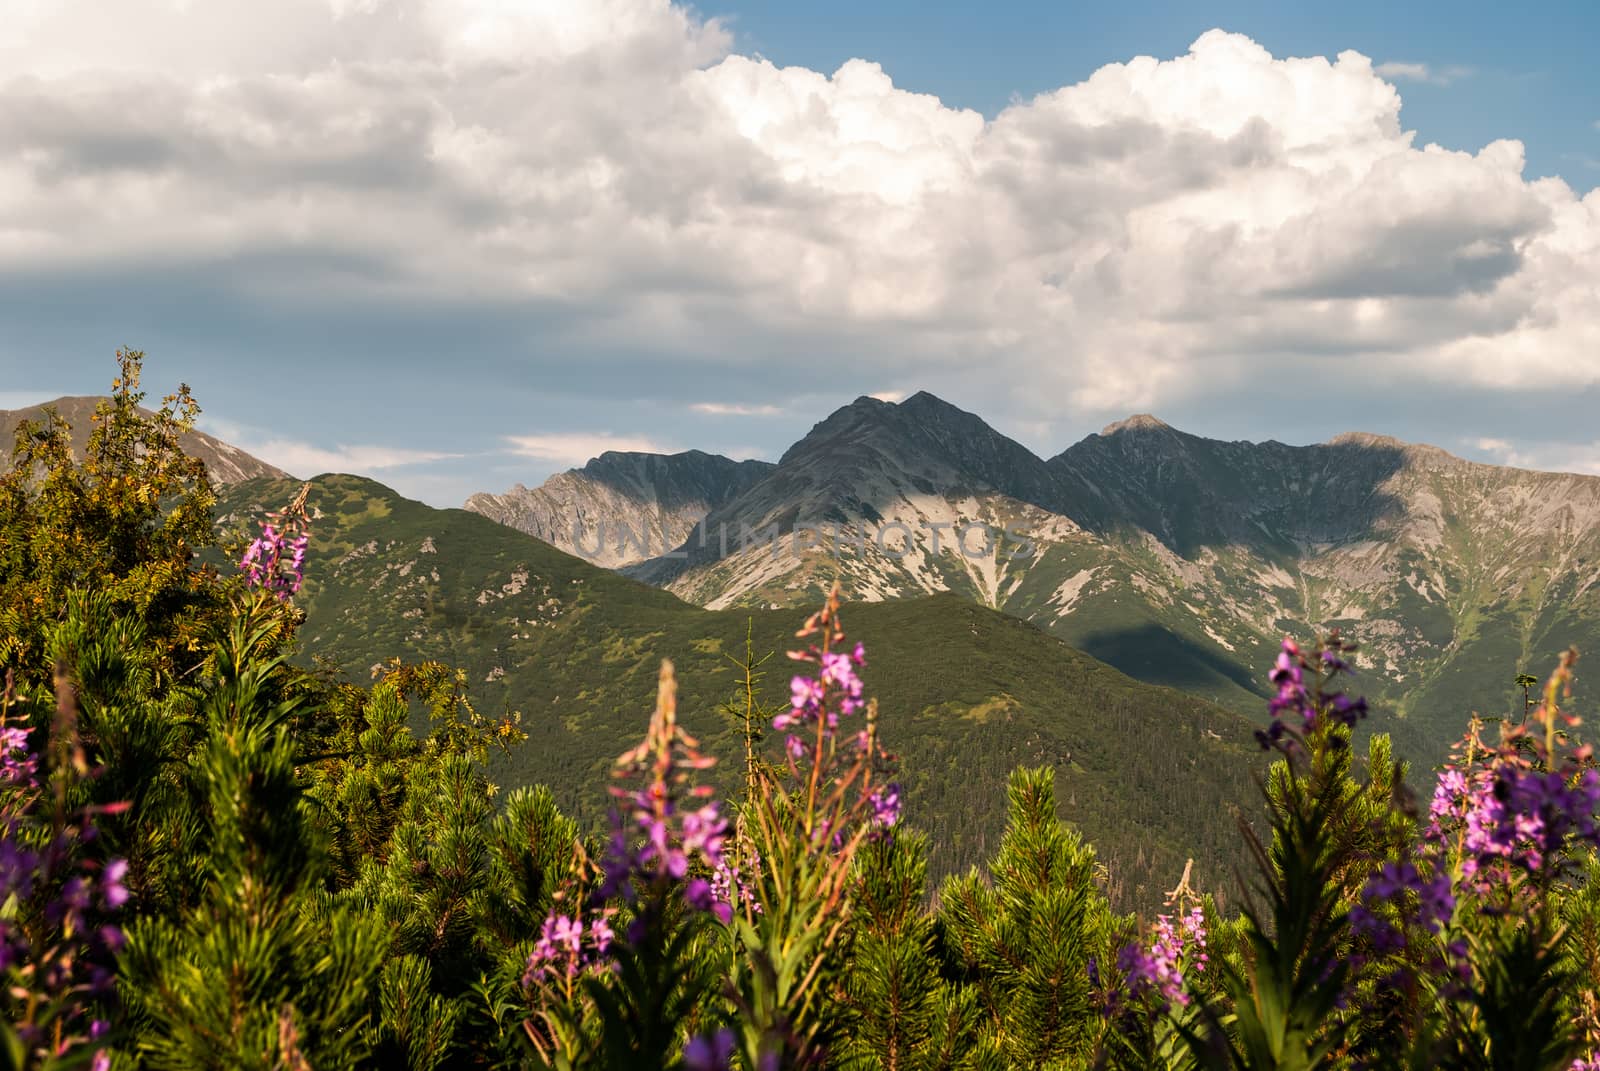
838 672
806 696
834 692
566 948
275 561
1509 816
1288 673
730 888
703 832
1527 818
1174 948
836 770
886 806
1449 795
47 877
1299 707
18 765
265 567
112 892
653 847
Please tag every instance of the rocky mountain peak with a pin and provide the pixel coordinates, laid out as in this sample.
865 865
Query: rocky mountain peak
623 506
226 463
1137 422
926 404
922 430
846 424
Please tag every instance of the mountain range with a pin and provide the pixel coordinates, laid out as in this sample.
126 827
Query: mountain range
1109 610
967 693
1179 559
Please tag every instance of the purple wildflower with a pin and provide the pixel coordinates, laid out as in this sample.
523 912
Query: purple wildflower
112 892
665 835
1299 706
52 944
1448 795
833 693
817 753
886 806
18 765
1288 673
709 1052
699 896
1516 817
275 561
1173 948
729 887
566 948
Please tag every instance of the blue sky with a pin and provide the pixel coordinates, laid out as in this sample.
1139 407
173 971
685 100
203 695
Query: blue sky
456 244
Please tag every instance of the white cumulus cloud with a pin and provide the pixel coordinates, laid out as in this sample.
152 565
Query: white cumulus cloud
610 182
301 458
1579 457
575 449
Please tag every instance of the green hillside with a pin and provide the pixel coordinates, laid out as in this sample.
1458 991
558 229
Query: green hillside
967 694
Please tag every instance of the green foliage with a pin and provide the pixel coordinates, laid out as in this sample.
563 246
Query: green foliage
1580 914
1512 1015
1288 990
1023 938
1285 999
790 956
662 982
125 522
906 1014
257 974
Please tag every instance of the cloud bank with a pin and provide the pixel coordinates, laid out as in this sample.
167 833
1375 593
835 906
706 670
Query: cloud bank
606 194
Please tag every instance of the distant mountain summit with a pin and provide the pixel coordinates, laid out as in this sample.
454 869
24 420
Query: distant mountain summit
622 508
876 494
226 463
1179 559
1137 422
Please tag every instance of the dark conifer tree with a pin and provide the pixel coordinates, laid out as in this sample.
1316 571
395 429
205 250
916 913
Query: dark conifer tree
1023 937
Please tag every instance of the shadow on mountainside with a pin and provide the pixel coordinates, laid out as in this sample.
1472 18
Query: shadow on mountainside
1192 493
1157 655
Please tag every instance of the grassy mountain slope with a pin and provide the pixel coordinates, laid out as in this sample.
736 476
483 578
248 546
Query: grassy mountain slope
1150 774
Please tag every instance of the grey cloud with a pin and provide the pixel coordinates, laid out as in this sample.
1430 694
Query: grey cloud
1414 261
635 217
